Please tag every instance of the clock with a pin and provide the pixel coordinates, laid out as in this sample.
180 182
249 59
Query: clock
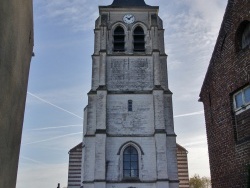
129 18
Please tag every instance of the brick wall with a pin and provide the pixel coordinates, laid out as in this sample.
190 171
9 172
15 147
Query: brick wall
182 163
228 133
242 128
75 164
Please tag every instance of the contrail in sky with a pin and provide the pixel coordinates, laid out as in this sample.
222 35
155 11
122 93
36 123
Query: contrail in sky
190 114
33 95
195 143
53 138
59 127
66 135
32 160
54 105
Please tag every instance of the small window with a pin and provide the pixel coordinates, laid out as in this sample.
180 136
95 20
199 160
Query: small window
130 163
243 36
242 99
119 39
246 36
130 105
139 41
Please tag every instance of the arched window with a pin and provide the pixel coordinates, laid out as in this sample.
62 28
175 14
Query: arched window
119 41
245 40
139 42
243 35
130 163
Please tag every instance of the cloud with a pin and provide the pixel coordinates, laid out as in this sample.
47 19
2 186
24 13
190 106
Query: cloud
42 175
191 29
210 11
80 15
31 160
198 161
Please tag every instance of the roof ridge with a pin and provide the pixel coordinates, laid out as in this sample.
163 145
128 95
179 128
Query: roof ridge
129 3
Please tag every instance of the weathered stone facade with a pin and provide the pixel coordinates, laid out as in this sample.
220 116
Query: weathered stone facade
16 45
226 84
129 104
75 166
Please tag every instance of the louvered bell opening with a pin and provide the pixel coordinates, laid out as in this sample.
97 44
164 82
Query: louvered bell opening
139 39
119 39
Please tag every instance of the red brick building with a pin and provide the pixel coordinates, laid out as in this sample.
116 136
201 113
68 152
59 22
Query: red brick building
226 97
182 164
75 167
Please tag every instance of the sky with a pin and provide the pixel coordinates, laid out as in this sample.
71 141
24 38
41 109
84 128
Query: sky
60 77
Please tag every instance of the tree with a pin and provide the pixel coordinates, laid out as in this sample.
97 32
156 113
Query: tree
206 181
197 182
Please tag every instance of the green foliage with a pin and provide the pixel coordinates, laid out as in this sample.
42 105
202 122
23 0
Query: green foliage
206 182
197 182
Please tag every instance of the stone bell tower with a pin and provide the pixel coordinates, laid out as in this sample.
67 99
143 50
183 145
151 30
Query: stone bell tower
129 139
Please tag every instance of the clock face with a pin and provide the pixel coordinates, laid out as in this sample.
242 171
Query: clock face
129 18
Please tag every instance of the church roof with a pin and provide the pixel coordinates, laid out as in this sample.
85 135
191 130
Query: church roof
180 148
79 146
129 3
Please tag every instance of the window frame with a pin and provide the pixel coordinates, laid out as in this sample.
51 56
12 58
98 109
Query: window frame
140 156
246 29
130 105
245 105
239 36
116 42
130 162
137 42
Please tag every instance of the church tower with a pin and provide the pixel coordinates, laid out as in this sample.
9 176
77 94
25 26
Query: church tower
128 137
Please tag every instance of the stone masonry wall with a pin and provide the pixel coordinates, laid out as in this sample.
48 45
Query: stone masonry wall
139 121
130 73
147 159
